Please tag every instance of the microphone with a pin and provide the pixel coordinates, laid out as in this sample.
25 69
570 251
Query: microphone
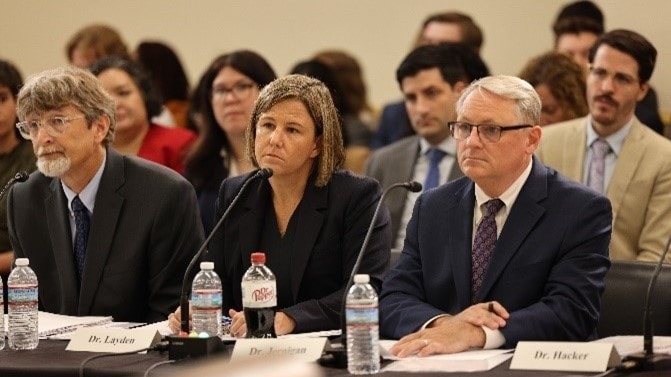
648 360
21 176
178 348
337 357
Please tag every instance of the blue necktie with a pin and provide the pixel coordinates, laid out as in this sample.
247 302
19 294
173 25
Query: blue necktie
483 244
82 224
433 177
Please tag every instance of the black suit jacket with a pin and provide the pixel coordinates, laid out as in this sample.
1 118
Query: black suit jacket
332 222
145 228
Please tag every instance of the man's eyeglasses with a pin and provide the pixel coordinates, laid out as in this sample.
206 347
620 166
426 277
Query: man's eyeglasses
54 126
490 133
239 91
619 78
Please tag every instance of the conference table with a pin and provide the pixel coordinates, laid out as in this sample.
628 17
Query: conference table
51 359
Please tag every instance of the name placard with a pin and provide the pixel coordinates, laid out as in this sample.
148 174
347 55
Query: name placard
565 356
115 340
303 349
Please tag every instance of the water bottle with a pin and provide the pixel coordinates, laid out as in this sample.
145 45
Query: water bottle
259 298
22 306
363 353
206 301
2 316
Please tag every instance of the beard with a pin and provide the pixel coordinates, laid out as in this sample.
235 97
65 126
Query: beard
53 167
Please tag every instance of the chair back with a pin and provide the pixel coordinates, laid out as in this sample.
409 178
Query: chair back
623 301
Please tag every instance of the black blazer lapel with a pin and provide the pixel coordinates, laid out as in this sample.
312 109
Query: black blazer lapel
251 221
103 225
522 218
58 223
309 221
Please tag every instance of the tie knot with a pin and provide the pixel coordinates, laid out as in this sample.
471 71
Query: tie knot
600 147
491 207
435 155
77 205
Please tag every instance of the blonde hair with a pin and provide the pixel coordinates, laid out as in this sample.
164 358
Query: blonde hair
317 99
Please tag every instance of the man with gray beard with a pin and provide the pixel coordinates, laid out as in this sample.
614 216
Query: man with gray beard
107 234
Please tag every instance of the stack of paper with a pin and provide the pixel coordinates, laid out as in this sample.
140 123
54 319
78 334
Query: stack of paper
52 325
469 361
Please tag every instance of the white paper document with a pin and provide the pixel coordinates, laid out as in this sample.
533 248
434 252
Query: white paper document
164 330
50 325
630 344
469 361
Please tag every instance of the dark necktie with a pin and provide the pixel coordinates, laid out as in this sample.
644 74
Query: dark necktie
433 177
82 224
597 166
483 244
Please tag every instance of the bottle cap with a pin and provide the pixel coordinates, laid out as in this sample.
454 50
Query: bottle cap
21 262
207 265
361 278
259 258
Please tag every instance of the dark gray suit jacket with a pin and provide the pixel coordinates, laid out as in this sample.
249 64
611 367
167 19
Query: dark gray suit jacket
145 228
331 225
396 163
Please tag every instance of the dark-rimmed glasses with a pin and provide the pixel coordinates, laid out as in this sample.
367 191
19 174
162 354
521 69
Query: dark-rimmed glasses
490 133
240 90
54 126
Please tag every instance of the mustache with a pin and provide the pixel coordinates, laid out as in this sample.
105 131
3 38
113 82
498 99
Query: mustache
48 149
606 98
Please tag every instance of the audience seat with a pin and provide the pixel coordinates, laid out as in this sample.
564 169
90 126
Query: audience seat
623 301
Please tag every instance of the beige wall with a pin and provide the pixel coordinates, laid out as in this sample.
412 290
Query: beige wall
378 32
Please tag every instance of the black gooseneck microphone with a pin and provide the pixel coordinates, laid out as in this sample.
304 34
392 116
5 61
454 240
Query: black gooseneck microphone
21 176
178 347
648 360
337 357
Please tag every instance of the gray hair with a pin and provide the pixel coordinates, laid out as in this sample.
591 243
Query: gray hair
68 86
317 99
510 87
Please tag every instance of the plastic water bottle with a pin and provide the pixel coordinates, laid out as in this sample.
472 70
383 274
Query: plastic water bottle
206 301
363 353
22 306
259 298
2 316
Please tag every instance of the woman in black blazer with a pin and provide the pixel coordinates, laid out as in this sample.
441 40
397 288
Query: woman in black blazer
310 217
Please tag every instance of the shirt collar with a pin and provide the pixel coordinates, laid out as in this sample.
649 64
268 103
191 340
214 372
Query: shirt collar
510 195
88 194
448 146
615 140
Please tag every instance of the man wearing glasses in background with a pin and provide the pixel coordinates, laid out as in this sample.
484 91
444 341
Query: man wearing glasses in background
511 252
107 235
612 152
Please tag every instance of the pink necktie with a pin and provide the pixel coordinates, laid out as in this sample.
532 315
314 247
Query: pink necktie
597 165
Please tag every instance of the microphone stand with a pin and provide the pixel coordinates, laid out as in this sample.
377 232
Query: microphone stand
21 176
648 360
182 346
336 356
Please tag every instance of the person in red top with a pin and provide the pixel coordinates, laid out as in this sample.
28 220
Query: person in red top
137 101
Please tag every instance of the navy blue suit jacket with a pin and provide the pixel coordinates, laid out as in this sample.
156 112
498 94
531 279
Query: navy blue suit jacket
547 268
394 125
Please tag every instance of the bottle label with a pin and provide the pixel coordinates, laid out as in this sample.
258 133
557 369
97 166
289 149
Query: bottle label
22 294
259 294
361 315
206 298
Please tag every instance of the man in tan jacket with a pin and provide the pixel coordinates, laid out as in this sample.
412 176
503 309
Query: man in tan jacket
633 165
